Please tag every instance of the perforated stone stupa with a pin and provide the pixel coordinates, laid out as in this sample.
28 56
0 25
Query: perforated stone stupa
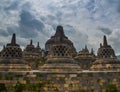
60 38
11 57
106 59
61 51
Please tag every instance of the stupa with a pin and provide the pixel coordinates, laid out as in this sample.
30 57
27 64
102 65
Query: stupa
32 52
61 51
85 58
11 57
106 59
60 38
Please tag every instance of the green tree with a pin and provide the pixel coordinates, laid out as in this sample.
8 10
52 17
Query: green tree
2 87
111 88
19 87
40 85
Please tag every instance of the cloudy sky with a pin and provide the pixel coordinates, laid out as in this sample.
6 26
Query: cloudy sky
84 21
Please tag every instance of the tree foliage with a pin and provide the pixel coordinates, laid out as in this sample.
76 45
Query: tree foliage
2 87
19 87
111 88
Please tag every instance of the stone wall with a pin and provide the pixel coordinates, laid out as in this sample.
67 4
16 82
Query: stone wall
61 82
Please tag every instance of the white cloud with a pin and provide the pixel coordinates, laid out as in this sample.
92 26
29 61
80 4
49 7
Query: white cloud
114 40
84 17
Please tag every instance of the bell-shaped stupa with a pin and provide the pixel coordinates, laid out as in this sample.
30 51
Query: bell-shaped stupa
60 58
11 57
106 59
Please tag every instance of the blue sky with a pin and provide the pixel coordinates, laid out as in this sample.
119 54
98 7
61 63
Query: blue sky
84 21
